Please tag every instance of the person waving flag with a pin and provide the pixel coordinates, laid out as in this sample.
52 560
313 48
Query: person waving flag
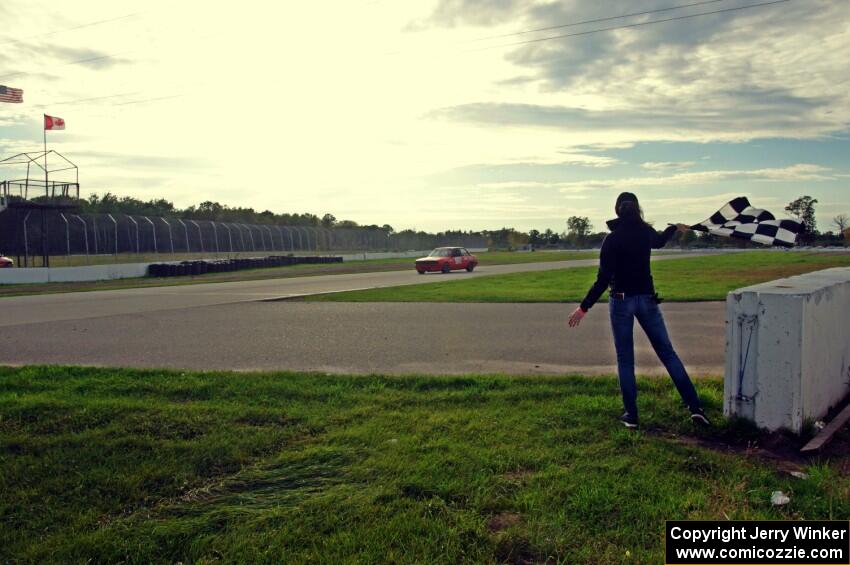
624 268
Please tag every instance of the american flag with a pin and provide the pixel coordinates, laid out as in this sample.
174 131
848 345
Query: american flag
14 95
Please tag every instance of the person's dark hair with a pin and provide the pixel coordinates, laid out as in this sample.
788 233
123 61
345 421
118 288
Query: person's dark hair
628 207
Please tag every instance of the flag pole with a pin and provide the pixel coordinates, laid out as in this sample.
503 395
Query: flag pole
45 260
44 127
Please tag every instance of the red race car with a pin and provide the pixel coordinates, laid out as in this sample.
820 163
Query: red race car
5 261
446 259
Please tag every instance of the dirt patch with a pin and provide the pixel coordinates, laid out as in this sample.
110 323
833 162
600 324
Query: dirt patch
839 448
519 475
503 521
783 459
515 549
778 450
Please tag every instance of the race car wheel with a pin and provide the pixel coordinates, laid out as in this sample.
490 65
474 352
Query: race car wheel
470 267
420 272
446 268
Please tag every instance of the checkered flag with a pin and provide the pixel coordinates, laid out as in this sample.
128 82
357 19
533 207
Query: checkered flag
739 219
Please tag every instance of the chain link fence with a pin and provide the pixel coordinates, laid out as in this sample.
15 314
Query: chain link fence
80 239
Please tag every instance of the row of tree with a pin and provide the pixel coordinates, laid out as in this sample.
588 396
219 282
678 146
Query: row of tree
804 209
208 210
579 230
214 211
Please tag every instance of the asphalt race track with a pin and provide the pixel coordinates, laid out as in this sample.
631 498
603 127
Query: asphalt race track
79 305
245 326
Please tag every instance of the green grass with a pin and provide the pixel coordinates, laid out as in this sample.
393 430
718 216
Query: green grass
108 465
512 257
690 279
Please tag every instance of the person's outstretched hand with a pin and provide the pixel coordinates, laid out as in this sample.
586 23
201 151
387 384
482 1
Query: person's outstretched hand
576 316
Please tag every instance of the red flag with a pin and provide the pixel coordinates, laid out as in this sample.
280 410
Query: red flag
52 122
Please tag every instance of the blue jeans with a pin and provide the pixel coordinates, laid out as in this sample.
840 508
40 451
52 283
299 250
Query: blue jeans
623 312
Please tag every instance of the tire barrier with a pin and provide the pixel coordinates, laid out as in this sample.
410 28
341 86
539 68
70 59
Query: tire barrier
202 267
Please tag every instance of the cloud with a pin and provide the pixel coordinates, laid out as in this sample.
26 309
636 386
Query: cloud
606 146
674 45
525 171
453 13
10 147
541 118
765 72
792 173
581 189
39 57
667 165
517 80
88 58
566 158
526 208
124 160
708 204
731 116
519 186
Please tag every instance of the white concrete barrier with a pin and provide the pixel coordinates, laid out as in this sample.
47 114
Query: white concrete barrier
73 274
98 272
788 349
397 254
23 276
382 255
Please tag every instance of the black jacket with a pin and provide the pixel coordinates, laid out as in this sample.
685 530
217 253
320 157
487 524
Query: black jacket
624 259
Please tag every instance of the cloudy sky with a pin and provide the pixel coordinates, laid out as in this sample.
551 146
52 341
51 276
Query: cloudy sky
441 114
